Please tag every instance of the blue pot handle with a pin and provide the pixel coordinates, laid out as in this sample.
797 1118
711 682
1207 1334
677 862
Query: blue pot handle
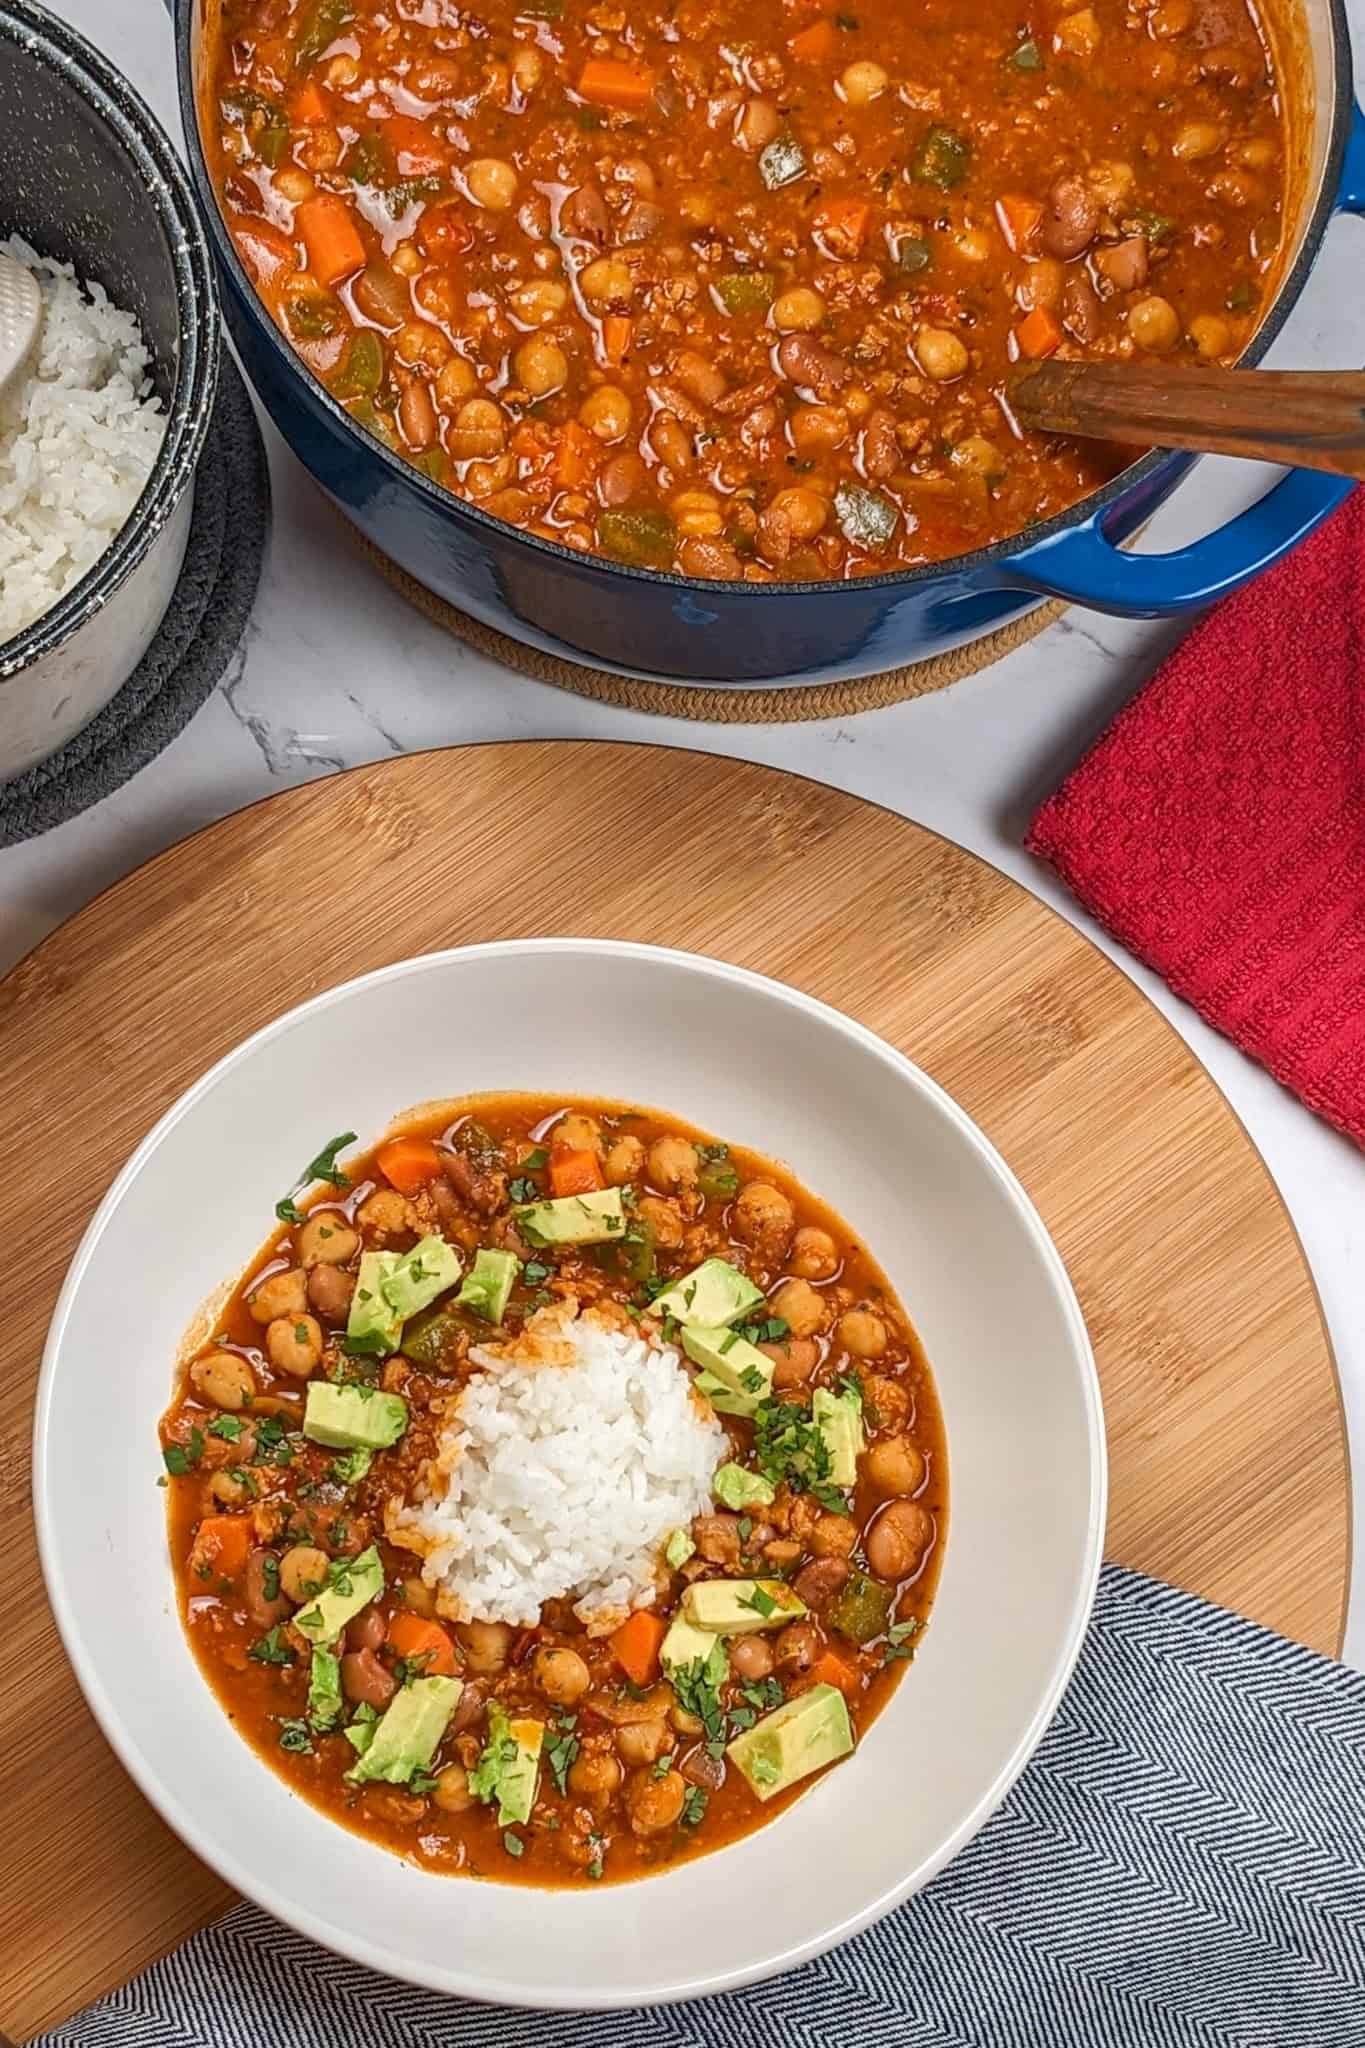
1083 566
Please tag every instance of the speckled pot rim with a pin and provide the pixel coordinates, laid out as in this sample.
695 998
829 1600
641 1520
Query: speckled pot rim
1002 553
171 205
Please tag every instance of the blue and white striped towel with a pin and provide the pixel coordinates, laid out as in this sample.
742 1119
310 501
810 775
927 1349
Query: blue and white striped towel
1182 1864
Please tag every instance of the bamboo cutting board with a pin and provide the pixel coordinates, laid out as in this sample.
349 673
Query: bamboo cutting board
1225 1430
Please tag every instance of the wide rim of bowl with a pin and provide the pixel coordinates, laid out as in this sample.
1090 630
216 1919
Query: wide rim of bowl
486 1987
1091 507
172 204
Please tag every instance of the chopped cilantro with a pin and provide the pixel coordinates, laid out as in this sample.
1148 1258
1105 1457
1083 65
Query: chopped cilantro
422 1782
697 1686
760 1602
770 1330
901 1640
521 1189
270 1576
513 1844
324 1167
694 1807
534 1161
662 1765
272 1648
598 1845
180 1457
534 1271
561 1750
229 1427
763 1693
296 1736
746 1528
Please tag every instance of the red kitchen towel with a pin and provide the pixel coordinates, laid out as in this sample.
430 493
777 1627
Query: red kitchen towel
1218 827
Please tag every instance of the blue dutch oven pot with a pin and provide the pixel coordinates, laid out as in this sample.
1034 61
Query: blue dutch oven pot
643 623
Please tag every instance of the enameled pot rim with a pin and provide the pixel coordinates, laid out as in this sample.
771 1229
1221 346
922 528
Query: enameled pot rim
172 206
1093 505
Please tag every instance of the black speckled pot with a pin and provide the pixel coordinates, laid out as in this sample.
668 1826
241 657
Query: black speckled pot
87 175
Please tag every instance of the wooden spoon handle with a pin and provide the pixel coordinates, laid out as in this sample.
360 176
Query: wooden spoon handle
1309 419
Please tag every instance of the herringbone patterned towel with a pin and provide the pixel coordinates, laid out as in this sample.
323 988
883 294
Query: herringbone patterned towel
1183 1863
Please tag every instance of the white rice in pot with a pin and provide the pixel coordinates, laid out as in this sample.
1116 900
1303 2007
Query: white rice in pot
564 1465
79 435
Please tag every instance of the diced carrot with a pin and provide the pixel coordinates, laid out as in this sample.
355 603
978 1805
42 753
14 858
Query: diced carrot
409 1163
832 1670
419 153
814 45
1038 334
574 456
636 1644
618 332
844 223
222 1542
331 238
306 104
267 252
575 1173
423 1642
609 82
1018 217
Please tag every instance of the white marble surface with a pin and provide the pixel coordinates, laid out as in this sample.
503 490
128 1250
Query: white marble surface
336 670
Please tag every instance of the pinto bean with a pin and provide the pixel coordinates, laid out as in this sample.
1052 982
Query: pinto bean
368 1629
329 1292
1070 217
584 213
813 366
899 1538
1124 263
881 458
364 1679
817 1583
1081 314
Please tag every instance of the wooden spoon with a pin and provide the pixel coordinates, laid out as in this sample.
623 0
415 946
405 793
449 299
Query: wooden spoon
1309 419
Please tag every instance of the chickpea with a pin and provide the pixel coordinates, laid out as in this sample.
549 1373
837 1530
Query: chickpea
606 413
940 354
642 1742
663 1219
1154 325
797 1646
625 1161
817 430
1197 140
793 1361
303 1572
562 1676
1257 155
527 69
862 1333
342 71
224 1379
758 124
698 205
294 1344
751 1657
698 514
283 1294
365 1680
540 301
898 1539
487 1645
684 1723
833 1536
479 431
451 1791
594 1778
607 281
800 1307
654 1804
229 1492
293 184
862 82
974 245
813 1255
418 1597
798 311
417 341
1210 335
407 261
326 1239
1111 181
802 511
541 365
456 381
895 1464
638 175
888 1402
978 456
673 1163
764 1219
491 182
383 1214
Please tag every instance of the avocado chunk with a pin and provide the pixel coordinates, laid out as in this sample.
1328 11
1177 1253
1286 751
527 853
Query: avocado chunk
430 1338
800 1736
736 1488
353 1418
489 1283
684 1644
596 1218
678 1549
374 1325
509 1768
736 1607
720 1397
406 1736
352 1582
742 1369
324 1690
714 1294
839 1419
419 1276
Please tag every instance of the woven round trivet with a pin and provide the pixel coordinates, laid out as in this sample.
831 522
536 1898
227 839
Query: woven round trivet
194 643
758 706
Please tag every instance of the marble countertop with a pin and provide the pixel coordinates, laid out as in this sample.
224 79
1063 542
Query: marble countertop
336 672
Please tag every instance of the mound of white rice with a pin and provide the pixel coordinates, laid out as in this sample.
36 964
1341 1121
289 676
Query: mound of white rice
564 1466
78 438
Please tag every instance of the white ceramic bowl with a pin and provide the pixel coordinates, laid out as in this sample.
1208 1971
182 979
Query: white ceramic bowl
762 1065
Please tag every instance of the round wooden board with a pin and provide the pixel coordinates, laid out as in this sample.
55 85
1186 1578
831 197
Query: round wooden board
1225 1430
